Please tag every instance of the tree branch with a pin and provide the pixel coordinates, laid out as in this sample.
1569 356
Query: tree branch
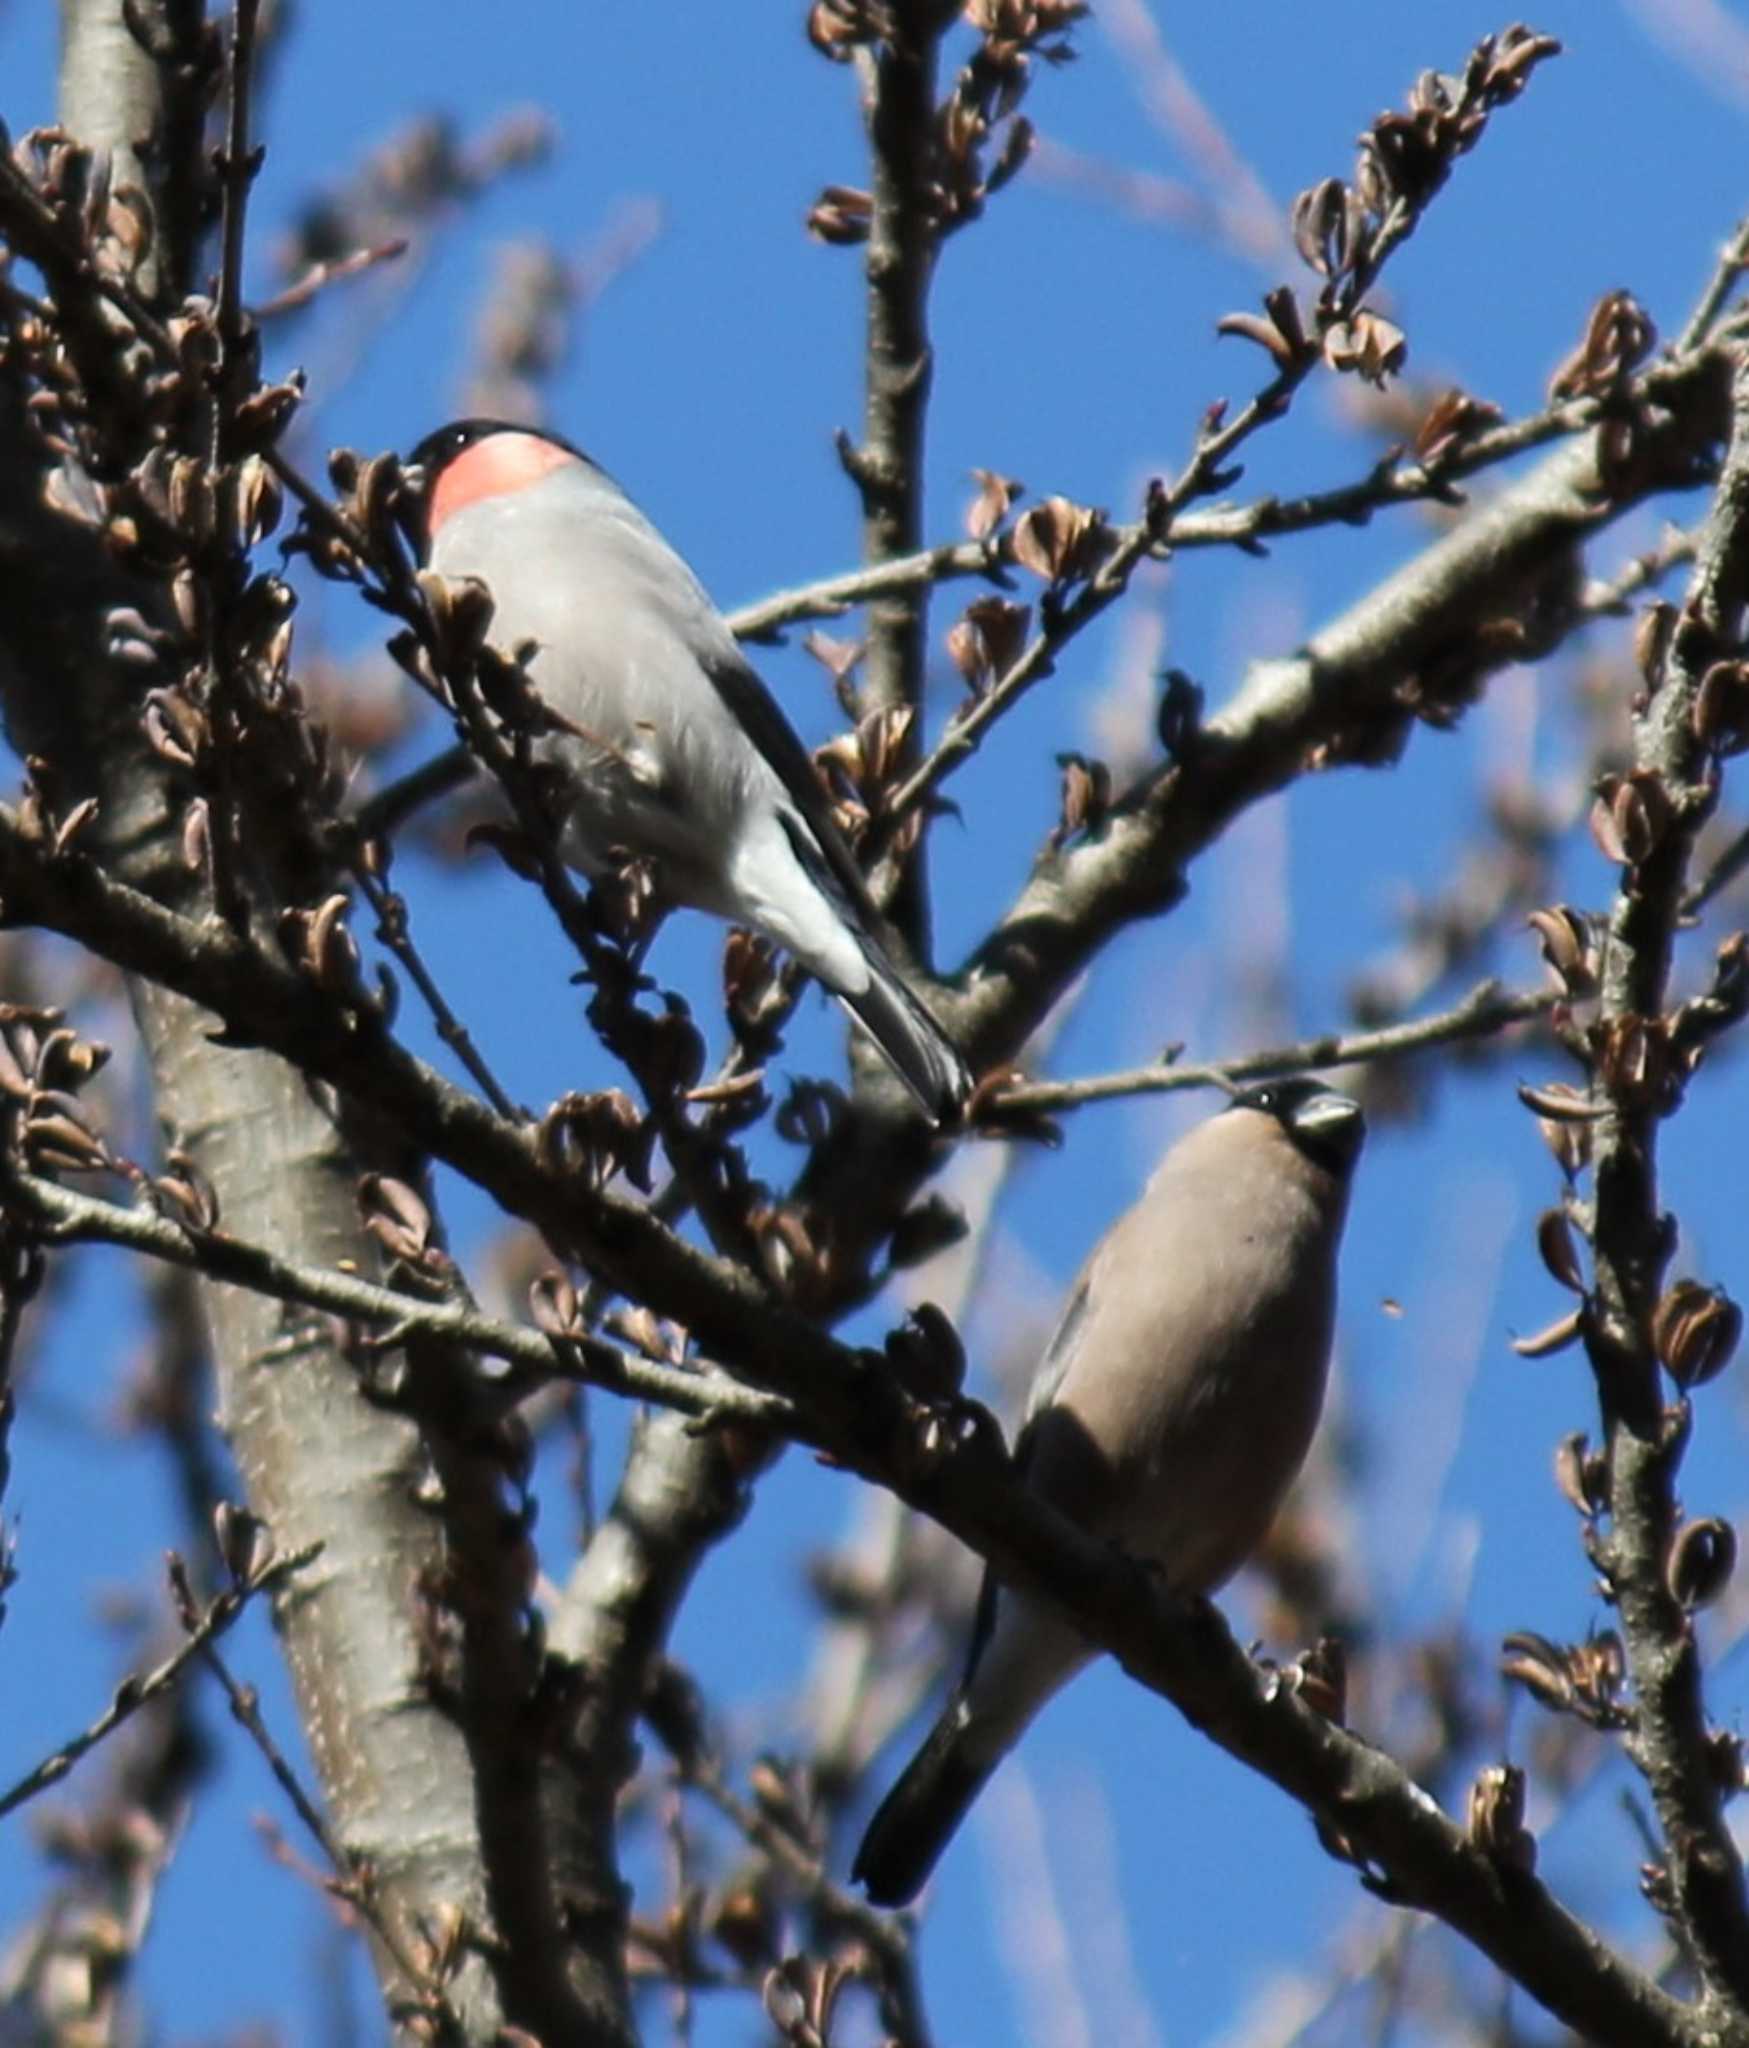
65 1216
1677 776
1485 1011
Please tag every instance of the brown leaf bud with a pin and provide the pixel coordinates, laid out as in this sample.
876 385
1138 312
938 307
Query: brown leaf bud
835 27
1558 1335
1282 332
1453 419
1695 1331
1582 1475
1565 938
1495 1820
841 216
555 1304
1320 220
398 1218
1720 717
1371 346
330 954
1630 817
1249 327
77 819
61 1138
1652 640
1554 1239
1618 336
996 494
19 1050
193 505
1510 57
1580 1678
461 614
1086 797
176 730
1561 1102
927 1227
188 598
70 494
597 1136
1569 1144
965 649
264 415
67 1061
128 231
253 503
1320 1677
375 495
1599 1665
243 1540
649 1336
1540 1667
994 634
195 338
927 1355
788 1249
1632 1057
1059 540
1703 1554
185 1192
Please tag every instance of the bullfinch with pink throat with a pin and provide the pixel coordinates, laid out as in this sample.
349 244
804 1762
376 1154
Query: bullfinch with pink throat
676 750
1169 1416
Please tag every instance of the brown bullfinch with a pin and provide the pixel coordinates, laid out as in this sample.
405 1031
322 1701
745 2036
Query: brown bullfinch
1170 1414
676 751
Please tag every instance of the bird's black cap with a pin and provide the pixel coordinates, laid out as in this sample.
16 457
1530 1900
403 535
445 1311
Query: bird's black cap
447 443
438 450
1325 1124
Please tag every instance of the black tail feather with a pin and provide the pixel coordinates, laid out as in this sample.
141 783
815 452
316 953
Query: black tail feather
918 1050
917 1819
916 1047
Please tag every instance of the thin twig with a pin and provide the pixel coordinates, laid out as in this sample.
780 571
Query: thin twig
237 168
884 1933
139 1691
1733 261
1644 571
900 117
1487 1009
394 931
393 804
536 1357
320 276
245 1705
352 1878
1632 1239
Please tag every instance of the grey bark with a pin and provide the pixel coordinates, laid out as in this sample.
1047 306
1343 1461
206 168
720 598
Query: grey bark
435 1792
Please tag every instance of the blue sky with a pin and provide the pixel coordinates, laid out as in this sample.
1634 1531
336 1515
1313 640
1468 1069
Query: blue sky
1076 349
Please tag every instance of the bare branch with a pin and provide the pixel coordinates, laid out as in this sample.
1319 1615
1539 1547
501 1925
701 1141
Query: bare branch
1675 779
143 1688
68 1217
1485 1011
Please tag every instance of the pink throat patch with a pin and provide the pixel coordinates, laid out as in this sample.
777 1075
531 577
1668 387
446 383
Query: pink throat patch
491 468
